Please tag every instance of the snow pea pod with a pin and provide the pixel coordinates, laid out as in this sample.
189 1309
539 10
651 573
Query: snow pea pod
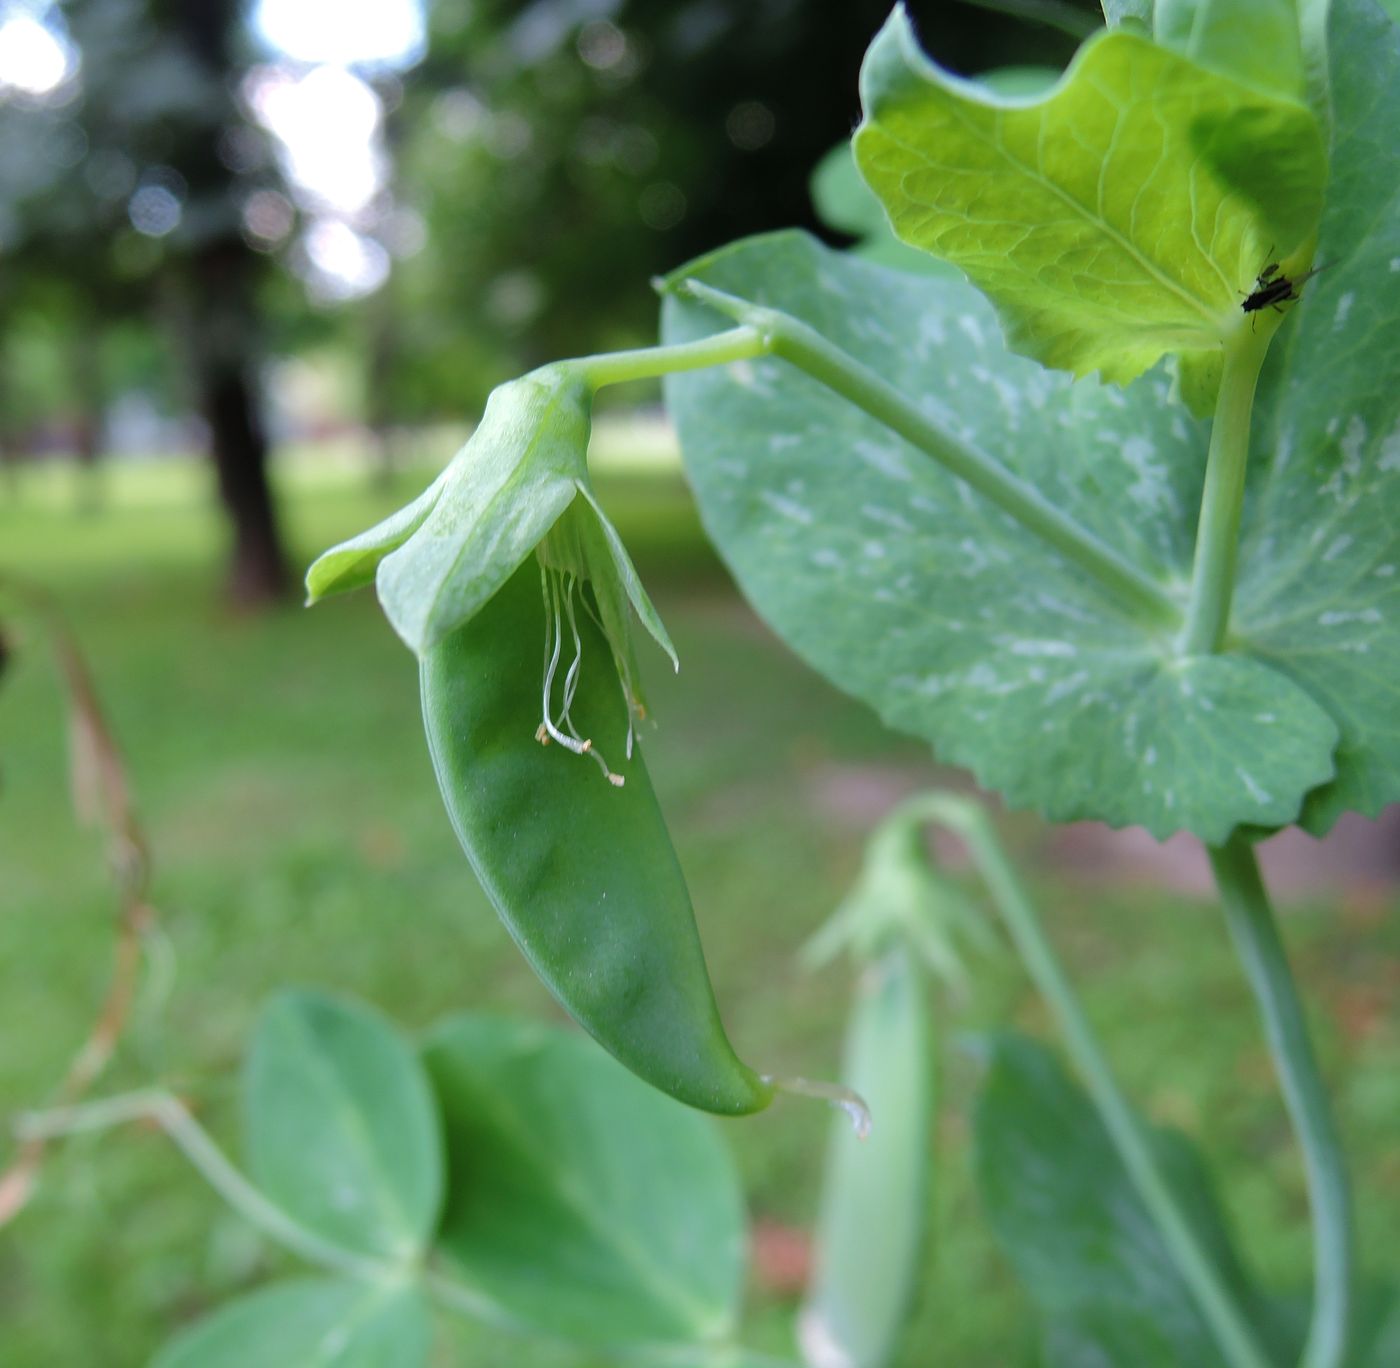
582 873
875 1191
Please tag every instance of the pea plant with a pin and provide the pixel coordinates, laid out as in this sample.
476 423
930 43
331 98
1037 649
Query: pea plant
1102 507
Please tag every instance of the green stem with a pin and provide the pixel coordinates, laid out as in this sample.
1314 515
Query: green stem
1265 962
170 1114
1232 1330
646 363
1222 500
805 348
195 1142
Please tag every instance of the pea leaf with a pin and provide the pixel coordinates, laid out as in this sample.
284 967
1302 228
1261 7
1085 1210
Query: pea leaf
1111 222
583 1203
312 1323
914 594
342 1131
1319 593
846 203
1070 1221
583 874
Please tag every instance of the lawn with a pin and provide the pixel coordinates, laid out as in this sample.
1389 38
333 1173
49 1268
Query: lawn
280 770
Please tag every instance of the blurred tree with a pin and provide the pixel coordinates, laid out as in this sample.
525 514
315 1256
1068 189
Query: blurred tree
123 192
543 161
213 149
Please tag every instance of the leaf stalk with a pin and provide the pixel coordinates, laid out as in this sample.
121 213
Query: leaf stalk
794 341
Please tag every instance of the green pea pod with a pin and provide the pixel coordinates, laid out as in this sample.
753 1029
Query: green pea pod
874 1194
582 873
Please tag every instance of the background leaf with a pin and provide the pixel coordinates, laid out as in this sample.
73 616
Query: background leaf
343 1133
1071 1222
583 874
1319 593
309 1324
584 1203
1111 222
911 592
1255 41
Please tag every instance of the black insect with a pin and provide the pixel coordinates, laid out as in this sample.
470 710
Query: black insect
1272 288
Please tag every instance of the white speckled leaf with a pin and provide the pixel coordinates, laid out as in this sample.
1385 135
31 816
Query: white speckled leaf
1320 591
911 592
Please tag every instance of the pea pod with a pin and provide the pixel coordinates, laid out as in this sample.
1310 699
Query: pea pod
507 549
582 873
874 1193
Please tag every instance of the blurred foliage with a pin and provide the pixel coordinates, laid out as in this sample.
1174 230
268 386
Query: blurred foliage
564 152
545 160
104 188
301 840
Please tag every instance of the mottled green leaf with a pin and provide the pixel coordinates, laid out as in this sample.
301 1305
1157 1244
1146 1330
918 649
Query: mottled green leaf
342 1130
1319 597
913 593
582 873
582 1202
1073 1226
1113 221
309 1324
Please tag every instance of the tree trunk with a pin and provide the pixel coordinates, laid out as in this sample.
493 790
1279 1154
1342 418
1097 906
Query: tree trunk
258 572
220 298
85 371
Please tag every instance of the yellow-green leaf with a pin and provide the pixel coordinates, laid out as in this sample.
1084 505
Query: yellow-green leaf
1112 221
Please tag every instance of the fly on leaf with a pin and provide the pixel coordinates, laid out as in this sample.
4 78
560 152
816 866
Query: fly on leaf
1272 288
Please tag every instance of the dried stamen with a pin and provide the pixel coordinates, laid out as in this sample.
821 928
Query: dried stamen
558 591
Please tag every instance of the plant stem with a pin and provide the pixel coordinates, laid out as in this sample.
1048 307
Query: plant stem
1222 500
199 1148
646 363
1227 1321
170 1114
1255 933
807 349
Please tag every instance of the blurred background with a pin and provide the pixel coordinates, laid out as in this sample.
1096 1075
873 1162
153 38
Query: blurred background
260 265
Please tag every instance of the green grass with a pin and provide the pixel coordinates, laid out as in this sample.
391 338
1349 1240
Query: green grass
280 770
